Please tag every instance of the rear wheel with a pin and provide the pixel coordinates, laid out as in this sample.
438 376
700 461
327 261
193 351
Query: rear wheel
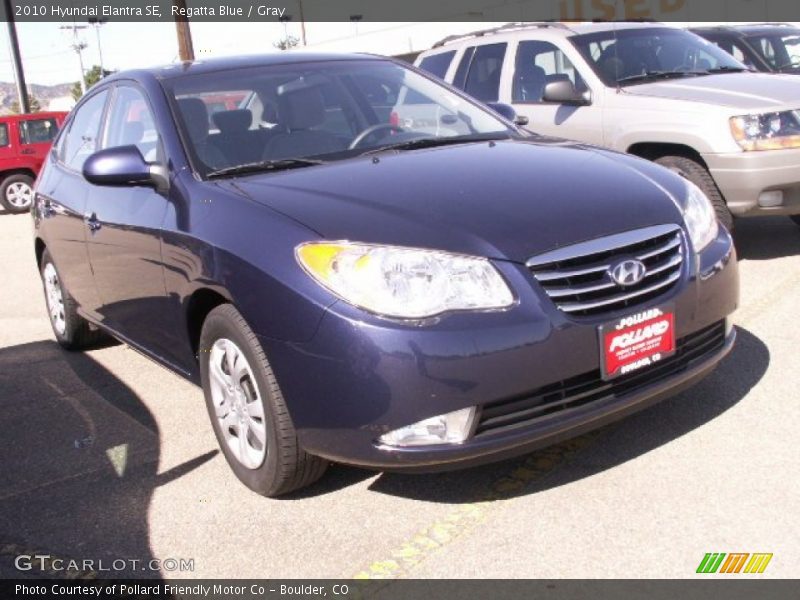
796 219
71 330
247 410
699 175
16 193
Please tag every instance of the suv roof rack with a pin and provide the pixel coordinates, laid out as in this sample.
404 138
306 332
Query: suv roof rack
503 29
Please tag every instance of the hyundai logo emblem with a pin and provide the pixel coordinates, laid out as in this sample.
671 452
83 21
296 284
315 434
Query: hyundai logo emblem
628 272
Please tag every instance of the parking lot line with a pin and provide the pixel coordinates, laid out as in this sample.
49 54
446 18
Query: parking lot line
465 518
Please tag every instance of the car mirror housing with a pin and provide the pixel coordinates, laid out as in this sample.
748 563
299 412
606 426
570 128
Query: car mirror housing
504 110
564 92
122 166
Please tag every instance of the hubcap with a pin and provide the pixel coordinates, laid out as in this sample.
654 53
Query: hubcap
19 194
55 300
237 403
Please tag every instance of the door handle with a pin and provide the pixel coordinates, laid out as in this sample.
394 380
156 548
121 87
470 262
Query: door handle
91 221
27 151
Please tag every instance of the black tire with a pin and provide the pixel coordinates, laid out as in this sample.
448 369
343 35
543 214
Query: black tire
286 466
796 219
19 180
77 334
699 175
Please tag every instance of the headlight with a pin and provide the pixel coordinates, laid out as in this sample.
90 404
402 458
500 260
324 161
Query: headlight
700 218
452 428
404 282
770 131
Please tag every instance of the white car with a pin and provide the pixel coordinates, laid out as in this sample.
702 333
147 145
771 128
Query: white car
655 91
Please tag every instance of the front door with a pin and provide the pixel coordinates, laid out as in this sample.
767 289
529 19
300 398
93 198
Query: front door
536 64
35 136
124 233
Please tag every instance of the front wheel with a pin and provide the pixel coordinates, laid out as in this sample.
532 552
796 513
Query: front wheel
699 175
247 410
16 193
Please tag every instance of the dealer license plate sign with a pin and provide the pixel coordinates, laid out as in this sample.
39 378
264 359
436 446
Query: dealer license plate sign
637 341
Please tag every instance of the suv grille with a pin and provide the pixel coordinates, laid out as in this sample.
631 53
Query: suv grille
590 387
577 277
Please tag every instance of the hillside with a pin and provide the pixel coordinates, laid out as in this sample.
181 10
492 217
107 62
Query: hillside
43 93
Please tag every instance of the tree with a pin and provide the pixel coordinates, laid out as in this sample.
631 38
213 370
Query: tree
33 102
93 75
287 43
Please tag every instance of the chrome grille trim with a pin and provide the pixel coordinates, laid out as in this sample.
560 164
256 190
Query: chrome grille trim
576 277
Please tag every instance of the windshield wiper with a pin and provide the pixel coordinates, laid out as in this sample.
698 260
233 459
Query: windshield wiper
266 165
660 75
726 69
432 142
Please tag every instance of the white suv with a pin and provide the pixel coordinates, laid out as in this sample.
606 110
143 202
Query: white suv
655 91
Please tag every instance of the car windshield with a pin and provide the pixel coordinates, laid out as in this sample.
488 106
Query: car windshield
639 55
299 115
781 50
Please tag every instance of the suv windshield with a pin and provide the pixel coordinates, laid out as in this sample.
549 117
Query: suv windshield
298 115
631 56
780 50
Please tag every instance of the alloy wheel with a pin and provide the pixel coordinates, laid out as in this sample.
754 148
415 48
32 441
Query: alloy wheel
55 299
19 195
237 403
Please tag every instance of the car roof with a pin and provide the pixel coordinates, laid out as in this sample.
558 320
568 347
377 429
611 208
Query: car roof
34 115
213 65
749 30
549 28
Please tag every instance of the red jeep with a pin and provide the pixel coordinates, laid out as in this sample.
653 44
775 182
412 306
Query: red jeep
24 142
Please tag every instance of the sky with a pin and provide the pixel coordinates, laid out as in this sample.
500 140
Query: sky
49 59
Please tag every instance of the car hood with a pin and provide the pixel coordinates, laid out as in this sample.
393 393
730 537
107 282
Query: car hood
742 91
505 200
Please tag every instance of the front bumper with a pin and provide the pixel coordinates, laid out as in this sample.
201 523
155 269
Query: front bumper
361 376
743 176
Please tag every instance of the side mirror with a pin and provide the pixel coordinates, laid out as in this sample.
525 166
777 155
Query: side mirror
123 166
507 112
564 92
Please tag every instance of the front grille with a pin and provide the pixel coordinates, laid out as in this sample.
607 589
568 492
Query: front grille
590 387
577 277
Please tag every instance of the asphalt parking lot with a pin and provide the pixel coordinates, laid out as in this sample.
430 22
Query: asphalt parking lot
106 455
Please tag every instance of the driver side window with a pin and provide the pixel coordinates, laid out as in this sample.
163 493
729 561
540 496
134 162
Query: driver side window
131 123
537 64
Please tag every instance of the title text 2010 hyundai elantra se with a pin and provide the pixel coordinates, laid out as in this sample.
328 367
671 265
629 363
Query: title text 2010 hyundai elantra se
361 264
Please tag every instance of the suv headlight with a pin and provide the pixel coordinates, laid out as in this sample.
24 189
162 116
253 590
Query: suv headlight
402 282
768 131
700 217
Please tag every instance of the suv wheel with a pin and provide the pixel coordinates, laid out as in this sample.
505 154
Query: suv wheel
247 410
16 193
71 330
699 175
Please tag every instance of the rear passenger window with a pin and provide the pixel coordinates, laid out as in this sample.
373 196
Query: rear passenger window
437 64
3 134
537 64
38 131
81 139
483 79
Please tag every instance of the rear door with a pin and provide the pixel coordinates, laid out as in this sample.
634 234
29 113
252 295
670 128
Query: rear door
63 197
36 136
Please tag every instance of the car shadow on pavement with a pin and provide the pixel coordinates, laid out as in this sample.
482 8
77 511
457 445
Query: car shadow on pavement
80 464
765 238
599 451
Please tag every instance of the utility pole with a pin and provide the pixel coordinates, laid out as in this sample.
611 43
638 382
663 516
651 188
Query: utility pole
302 22
97 24
79 46
185 46
16 59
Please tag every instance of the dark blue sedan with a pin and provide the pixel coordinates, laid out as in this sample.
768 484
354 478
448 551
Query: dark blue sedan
361 264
